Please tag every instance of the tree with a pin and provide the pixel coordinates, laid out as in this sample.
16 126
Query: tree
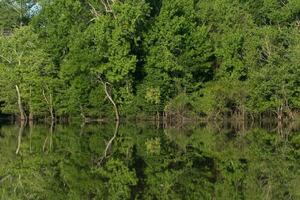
15 13
107 50
24 71
178 51
276 89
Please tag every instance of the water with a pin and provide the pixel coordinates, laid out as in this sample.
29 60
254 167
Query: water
143 162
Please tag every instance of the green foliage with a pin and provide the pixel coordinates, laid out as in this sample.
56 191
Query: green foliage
120 178
273 87
146 163
15 13
153 146
222 97
25 64
199 58
178 49
180 106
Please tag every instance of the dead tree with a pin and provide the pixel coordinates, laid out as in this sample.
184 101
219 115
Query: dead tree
117 119
108 95
109 144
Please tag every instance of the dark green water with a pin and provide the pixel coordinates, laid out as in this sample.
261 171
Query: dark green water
143 162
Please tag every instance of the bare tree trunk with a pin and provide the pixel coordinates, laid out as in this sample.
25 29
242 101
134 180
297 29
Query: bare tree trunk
112 139
112 101
45 143
50 105
21 130
21 110
109 144
49 138
51 108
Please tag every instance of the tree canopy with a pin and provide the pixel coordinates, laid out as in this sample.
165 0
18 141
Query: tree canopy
208 58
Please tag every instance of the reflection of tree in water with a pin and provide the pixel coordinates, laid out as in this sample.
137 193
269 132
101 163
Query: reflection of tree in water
49 139
21 130
145 163
109 144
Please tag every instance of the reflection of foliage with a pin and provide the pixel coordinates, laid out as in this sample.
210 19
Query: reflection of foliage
153 146
153 95
118 179
193 163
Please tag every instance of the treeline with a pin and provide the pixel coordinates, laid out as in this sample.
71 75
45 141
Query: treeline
166 58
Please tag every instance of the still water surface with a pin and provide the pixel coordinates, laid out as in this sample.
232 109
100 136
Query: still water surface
144 162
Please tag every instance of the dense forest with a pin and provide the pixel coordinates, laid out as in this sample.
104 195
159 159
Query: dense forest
170 59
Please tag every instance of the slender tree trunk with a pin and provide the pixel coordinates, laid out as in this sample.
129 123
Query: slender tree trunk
49 139
21 130
21 110
112 139
279 113
51 108
109 144
50 105
112 101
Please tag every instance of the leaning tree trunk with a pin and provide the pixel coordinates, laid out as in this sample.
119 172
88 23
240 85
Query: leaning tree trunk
110 142
21 110
21 130
112 101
